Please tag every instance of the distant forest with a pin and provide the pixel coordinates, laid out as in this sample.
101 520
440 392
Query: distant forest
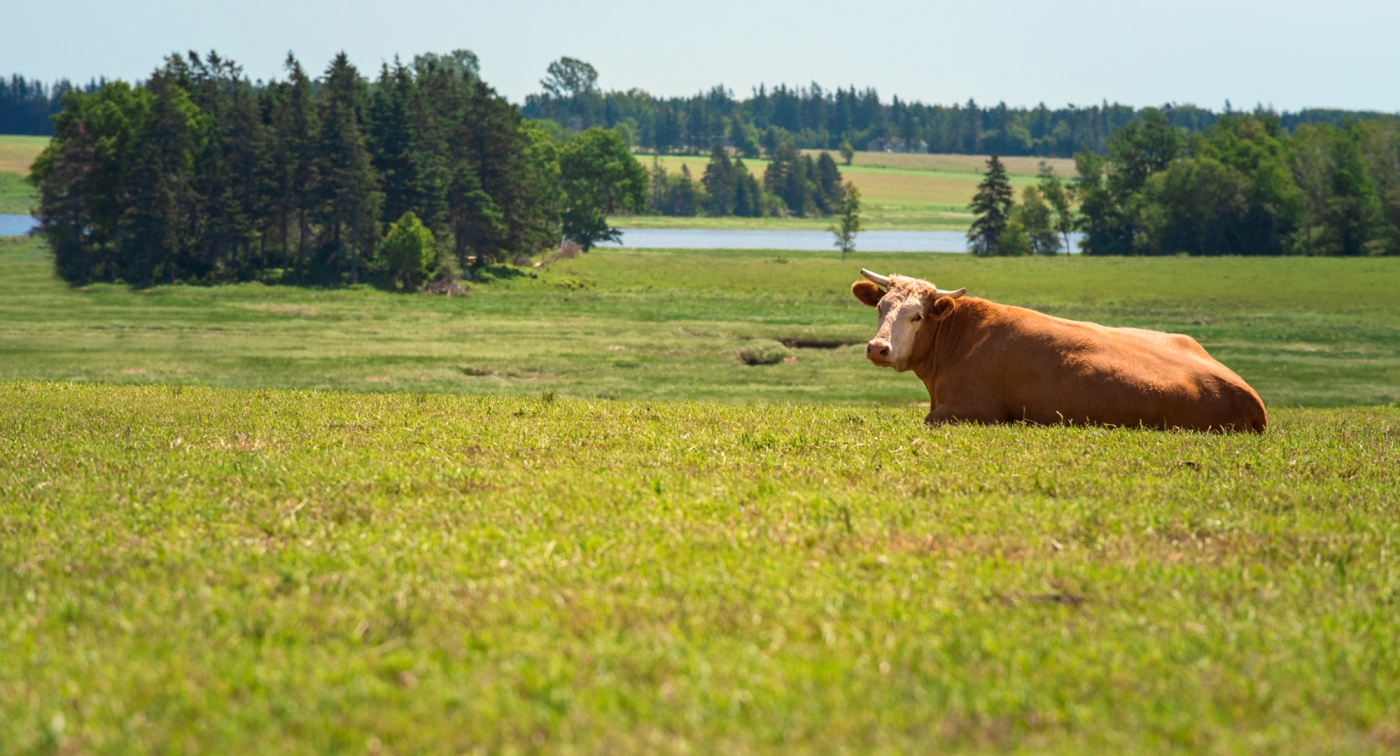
27 104
810 117
817 118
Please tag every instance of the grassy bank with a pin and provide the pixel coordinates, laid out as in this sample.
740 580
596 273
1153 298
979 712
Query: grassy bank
199 570
17 197
669 324
17 153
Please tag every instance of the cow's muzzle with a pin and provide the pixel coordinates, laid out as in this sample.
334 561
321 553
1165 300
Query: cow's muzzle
878 352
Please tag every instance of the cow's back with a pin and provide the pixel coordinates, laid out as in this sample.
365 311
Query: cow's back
1025 365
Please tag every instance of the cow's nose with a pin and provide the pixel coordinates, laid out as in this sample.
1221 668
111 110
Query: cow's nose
877 348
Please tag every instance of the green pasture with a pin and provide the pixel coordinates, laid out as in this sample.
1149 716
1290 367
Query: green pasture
17 197
196 570
17 153
648 324
561 515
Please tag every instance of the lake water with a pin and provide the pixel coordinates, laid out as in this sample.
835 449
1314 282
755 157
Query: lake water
15 225
710 238
866 241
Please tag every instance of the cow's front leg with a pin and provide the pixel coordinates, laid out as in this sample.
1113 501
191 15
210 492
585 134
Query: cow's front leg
940 415
945 414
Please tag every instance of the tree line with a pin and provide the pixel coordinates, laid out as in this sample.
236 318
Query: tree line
199 175
811 117
1243 186
794 185
817 118
26 105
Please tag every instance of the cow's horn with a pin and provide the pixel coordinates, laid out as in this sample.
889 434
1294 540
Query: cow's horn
876 277
954 294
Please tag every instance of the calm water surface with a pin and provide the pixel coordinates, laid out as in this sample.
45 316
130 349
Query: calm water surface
15 225
868 241
707 238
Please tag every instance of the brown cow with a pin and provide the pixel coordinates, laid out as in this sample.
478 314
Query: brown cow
992 363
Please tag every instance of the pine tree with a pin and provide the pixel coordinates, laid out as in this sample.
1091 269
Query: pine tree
157 231
992 207
720 182
298 125
389 139
348 186
829 190
427 152
748 195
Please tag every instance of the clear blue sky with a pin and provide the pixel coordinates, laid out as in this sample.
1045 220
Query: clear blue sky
1288 53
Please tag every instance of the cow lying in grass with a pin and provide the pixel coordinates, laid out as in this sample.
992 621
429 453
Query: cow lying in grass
991 363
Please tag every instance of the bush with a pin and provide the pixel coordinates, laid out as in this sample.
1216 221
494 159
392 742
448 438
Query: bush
408 249
1014 241
770 353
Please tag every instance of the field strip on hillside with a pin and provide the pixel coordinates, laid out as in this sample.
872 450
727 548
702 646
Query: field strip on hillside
17 153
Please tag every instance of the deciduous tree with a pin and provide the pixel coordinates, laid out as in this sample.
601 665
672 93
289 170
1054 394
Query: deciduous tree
600 178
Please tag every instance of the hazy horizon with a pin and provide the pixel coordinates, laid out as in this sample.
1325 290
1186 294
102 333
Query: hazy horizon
1083 52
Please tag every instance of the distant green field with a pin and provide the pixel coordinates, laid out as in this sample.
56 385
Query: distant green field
898 192
17 153
17 197
213 571
669 324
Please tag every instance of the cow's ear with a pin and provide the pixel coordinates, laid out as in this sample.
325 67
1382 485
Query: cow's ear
867 292
942 307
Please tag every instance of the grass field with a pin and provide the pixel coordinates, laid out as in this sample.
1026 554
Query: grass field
17 197
520 532
668 325
1027 167
206 570
17 153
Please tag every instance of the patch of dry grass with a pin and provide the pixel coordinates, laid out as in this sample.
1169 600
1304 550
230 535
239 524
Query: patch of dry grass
17 153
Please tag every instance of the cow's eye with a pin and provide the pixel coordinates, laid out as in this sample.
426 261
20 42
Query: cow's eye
917 318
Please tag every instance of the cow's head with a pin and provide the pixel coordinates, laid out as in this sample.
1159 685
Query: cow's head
905 305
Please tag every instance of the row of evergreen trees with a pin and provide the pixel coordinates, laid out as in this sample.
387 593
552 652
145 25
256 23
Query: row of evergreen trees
817 118
26 104
200 175
1244 186
793 185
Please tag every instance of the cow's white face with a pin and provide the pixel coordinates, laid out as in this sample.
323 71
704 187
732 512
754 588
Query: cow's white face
901 316
903 310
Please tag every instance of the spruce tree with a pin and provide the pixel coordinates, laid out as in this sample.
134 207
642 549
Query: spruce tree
720 181
992 207
298 126
389 130
748 195
348 186
829 190
157 229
